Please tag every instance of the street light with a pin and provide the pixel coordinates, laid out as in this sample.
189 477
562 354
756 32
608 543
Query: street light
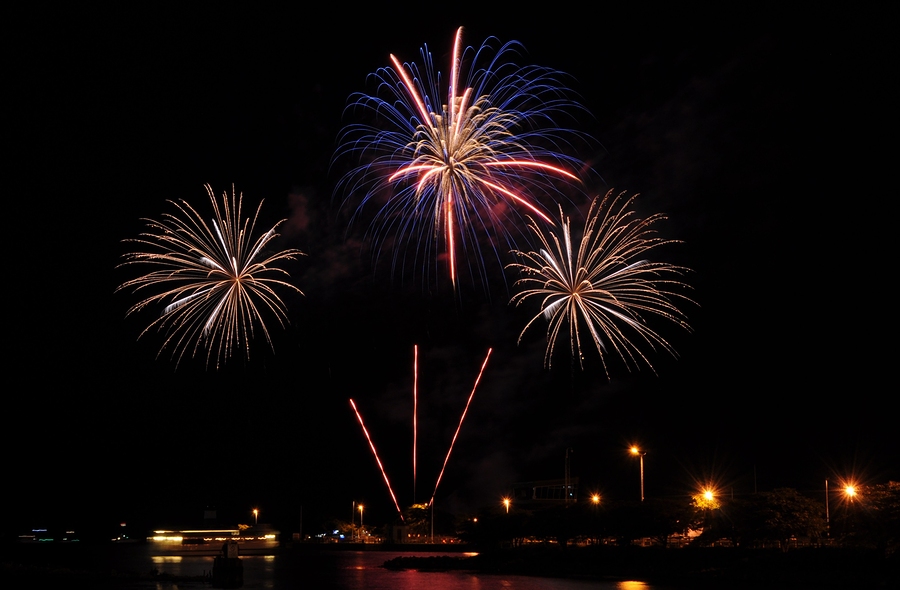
595 498
506 503
707 499
255 516
850 492
640 454
361 524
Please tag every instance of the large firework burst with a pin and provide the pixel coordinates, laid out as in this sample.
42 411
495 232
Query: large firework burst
215 281
449 170
604 285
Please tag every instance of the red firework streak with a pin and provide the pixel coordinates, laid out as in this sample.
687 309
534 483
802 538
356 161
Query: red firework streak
377 460
415 409
461 418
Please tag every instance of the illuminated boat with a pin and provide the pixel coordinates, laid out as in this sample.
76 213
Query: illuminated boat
253 540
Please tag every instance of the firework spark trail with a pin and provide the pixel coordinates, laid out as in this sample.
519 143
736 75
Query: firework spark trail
215 278
415 411
459 427
463 167
377 460
607 286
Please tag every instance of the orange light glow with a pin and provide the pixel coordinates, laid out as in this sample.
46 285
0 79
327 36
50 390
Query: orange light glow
706 499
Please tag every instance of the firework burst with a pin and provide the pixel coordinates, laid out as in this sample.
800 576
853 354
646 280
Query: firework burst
449 170
605 285
214 281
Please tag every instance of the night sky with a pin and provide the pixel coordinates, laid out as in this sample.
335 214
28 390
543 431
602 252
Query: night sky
766 138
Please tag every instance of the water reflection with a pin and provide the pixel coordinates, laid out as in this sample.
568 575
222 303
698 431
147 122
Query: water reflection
159 559
360 570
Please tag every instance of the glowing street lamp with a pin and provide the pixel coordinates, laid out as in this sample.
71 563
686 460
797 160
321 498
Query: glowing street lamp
849 491
361 523
255 516
595 498
706 499
506 503
636 451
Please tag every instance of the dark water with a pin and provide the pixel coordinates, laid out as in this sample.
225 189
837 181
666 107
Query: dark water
346 570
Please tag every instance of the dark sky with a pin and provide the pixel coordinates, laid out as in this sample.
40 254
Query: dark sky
766 138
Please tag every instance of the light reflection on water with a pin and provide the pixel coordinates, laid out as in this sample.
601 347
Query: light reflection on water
360 570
